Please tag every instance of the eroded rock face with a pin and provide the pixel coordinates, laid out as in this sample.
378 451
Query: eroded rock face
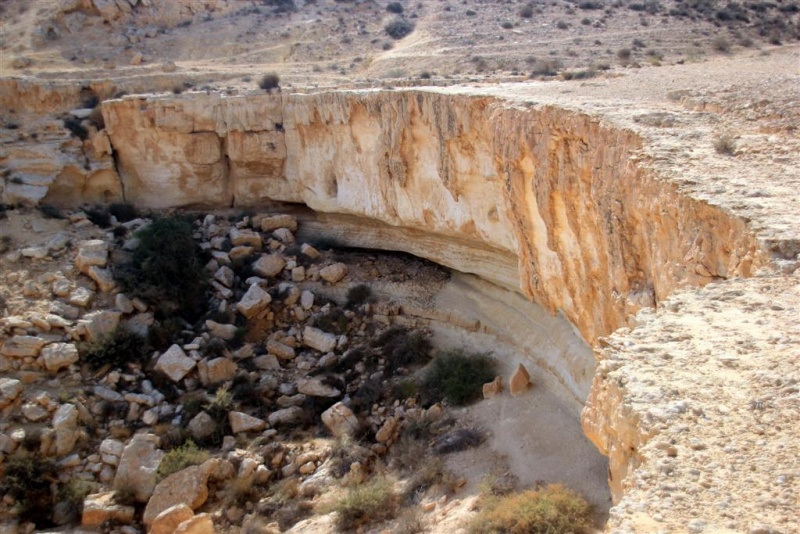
470 182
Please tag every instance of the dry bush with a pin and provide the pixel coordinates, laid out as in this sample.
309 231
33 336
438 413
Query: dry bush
725 144
553 509
180 458
368 503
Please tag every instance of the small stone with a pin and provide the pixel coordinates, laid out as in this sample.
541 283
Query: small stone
123 303
310 251
65 424
266 362
103 278
253 302
241 422
101 324
284 235
174 363
91 253
220 370
199 524
333 273
222 331
188 486
520 381
33 412
318 340
10 390
269 265
428 507
224 276
386 431
307 299
340 420
493 388
298 274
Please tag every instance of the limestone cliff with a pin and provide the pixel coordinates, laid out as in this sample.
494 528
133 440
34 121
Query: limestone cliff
597 235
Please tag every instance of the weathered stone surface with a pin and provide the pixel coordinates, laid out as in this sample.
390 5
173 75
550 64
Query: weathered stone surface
100 324
65 424
224 276
266 361
493 388
188 486
314 387
286 416
318 340
99 508
284 352
22 346
199 524
91 253
269 265
201 426
103 278
81 297
333 273
220 370
138 465
59 355
242 422
222 331
273 222
168 520
175 363
340 420
245 238
254 302
520 381
386 432
123 303
10 390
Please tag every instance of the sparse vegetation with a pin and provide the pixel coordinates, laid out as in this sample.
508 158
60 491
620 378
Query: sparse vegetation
553 509
457 376
725 144
358 295
395 7
166 268
180 458
270 81
721 45
28 480
117 350
367 503
398 28
403 347
123 211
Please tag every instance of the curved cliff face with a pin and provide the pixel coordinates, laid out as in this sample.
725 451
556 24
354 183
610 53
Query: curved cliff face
596 234
551 203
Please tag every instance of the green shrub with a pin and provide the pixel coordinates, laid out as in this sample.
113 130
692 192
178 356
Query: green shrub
458 377
180 458
167 269
29 480
398 28
368 503
550 510
270 81
117 350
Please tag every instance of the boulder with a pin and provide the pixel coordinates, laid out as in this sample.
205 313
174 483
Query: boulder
81 297
100 508
101 324
59 355
245 238
137 466
199 524
284 352
287 416
123 303
340 420
253 302
91 253
222 331
22 346
310 251
241 422
188 486
266 362
318 340
201 426
224 276
333 273
65 425
167 521
269 265
386 432
520 381
273 222
219 370
314 387
10 390
175 363
103 278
